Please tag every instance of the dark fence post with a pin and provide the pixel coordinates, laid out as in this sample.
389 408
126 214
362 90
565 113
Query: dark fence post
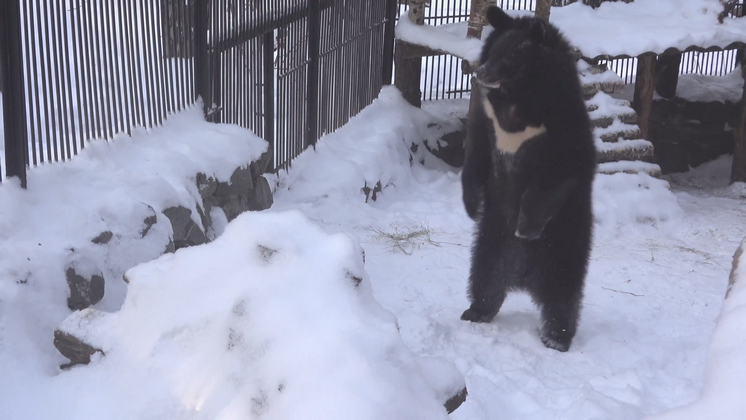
388 41
312 85
201 56
268 50
11 84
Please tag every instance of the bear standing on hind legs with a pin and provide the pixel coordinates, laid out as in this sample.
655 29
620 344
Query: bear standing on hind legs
528 176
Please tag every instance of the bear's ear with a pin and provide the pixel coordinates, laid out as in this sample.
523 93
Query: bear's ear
538 31
498 19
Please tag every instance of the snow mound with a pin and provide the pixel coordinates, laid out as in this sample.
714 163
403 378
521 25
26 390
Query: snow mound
382 146
634 203
274 319
722 396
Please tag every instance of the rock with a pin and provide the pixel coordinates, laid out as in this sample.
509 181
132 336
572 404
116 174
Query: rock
148 222
355 280
86 284
259 167
737 257
170 248
262 197
455 401
451 147
206 185
367 191
186 232
233 206
71 347
687 134
103 238
241 183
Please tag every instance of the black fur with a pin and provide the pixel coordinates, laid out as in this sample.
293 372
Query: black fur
533 207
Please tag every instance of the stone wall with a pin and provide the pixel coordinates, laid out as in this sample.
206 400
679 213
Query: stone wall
687 134
247 190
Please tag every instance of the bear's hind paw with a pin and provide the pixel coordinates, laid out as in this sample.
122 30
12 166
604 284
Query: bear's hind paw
473 315
551 343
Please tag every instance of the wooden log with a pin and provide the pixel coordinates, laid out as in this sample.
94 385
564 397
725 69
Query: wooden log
477 18
644 88
407 75
738 170
408 67
543 8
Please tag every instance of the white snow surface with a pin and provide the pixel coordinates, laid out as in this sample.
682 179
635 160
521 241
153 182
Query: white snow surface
264 322
698 87
614 28
229 329
617 28
722 396
447 38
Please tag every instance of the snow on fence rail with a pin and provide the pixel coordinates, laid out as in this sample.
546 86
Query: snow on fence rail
289 70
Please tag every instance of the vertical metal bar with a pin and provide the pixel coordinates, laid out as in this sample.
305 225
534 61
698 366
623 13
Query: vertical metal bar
31 84
111 79
90 67
269 91
168 9
103 80
14 104
135 72
125 85
69 66
60 90
312 83
201 62
46 80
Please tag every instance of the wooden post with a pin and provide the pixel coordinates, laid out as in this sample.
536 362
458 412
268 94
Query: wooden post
408 70
738 170
543 8
644 87
477 18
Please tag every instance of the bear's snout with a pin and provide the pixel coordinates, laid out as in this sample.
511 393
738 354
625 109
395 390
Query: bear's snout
485 77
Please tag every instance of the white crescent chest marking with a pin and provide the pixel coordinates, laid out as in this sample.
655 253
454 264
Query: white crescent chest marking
509 142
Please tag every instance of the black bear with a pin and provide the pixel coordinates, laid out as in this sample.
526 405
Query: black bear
528 175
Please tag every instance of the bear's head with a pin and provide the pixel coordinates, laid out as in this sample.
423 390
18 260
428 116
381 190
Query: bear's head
516 51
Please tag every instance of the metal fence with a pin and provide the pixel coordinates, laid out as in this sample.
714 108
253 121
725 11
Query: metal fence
290 70
442 77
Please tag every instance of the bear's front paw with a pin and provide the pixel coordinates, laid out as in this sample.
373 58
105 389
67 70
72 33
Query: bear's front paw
474 315
474 202
528 230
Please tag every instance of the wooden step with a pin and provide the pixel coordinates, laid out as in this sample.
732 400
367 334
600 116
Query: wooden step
637 149
617 130
603 109
603 121
595 79
630 167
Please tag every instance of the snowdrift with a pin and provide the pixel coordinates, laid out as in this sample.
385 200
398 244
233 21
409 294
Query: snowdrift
275 319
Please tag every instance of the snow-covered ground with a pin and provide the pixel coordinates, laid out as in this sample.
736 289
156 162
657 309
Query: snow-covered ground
267 321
